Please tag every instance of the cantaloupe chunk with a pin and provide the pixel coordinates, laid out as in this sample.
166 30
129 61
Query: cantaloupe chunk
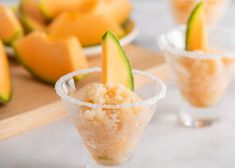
91 6
116 68
196 37
5 78
31 24
118 10
10 28
89 29
51 8
30 8
48 57
30 16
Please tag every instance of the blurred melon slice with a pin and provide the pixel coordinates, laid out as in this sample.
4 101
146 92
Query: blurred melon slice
5 78
51 8
30 24
89 29
30 8
31 17
118 10
48 57
10 27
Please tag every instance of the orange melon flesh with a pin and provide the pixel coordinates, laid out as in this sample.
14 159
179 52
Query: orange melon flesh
118 10
31 24
30 8
51 8
91 6
5 78
10 26
116 68
196 37
89 29
48 57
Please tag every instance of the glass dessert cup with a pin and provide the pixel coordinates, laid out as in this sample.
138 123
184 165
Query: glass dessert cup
181 10
111 131
202 77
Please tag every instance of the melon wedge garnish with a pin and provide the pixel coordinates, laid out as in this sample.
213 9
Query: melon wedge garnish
196 37
116 68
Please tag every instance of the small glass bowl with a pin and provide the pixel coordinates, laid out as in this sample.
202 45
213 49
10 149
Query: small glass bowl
110 139
214 10
202 78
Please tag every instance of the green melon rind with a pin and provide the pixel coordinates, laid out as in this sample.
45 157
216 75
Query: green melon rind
123 56
191 19
31 71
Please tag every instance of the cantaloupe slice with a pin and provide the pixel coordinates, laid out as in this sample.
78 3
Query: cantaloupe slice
196 38
30 8
31 24
89 29
116 68
49 57
118 10
30 16
51 8
92 6
10 27
5 78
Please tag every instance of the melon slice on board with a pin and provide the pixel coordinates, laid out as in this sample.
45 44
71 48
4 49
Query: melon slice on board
5 78
51 8
30 8
30 24
48 57
118 10
116 68
31 17
196 37
89 29
10 27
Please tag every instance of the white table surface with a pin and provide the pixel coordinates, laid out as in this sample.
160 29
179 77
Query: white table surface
165 143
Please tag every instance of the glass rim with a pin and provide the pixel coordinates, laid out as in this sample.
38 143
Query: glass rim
163 45
149 101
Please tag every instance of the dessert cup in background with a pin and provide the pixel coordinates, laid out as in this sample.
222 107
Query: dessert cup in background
202 77
214 10
110 118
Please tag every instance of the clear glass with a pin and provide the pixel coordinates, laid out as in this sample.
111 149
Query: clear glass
214 9
110 132
202 78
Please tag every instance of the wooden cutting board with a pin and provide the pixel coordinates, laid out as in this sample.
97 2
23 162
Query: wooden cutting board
35 104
